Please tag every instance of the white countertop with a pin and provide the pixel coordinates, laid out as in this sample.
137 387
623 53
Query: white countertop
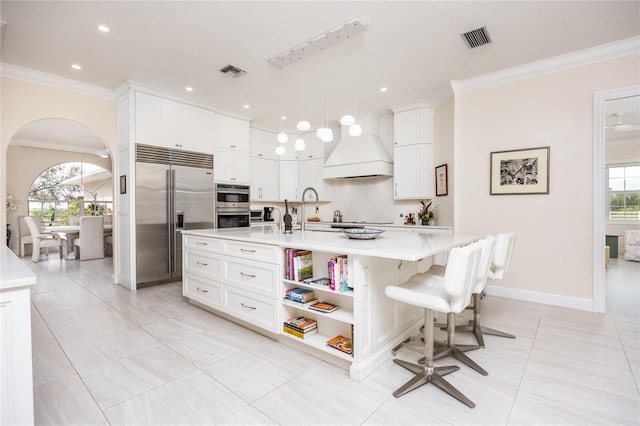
391 244
13 272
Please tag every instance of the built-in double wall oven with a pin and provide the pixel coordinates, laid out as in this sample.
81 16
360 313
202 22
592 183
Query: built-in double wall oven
232 206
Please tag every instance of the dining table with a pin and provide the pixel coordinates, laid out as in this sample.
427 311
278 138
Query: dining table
70 232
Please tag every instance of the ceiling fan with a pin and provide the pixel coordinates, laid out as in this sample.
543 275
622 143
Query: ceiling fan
619 126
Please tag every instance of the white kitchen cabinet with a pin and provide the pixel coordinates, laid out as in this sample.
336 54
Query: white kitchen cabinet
170 124
310 175
156 121
263 144
413 173
264 179
314 147
231 166
195 129
231 133
288 180
412 126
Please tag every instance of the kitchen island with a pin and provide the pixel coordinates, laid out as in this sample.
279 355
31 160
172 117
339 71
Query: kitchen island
241 273
16 379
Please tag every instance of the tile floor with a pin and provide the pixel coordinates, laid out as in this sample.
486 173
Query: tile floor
104 355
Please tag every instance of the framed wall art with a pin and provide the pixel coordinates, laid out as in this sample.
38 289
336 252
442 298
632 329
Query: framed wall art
442 180
521 171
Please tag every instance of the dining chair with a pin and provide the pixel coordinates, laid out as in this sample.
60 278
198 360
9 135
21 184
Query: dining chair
42 240
90 243
24 234
450 294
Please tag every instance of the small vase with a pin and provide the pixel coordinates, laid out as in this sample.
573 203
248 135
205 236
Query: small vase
425 221
8 234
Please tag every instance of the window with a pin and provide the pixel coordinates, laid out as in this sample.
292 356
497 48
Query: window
624 192
70 189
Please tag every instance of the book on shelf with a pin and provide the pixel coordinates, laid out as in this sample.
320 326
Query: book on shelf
301 323
302 295
323 307
298 264
338 273
298 333
319 281
341 343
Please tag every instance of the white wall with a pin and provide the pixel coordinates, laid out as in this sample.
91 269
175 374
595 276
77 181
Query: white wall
554 250
444 137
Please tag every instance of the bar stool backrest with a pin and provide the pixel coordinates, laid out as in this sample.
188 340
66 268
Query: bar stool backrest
502 255
484 264
461 273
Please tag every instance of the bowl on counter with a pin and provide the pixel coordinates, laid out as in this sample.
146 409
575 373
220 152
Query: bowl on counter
362 233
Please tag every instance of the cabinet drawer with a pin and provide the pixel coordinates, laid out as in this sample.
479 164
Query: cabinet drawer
259 311
202 243
205 291
203 263
258 277
251 251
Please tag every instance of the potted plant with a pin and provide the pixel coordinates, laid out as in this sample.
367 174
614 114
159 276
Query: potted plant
426 214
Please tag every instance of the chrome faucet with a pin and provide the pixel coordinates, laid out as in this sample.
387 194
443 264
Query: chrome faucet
302 206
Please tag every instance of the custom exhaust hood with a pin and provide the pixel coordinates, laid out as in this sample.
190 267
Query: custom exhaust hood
361 156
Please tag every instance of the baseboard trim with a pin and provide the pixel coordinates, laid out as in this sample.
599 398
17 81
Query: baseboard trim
543 298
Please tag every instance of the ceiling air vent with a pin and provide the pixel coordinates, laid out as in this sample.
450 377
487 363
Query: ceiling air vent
476 38
233 71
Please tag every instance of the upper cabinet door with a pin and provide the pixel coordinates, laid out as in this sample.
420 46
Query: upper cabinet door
231 133
413 126
263 144
156 121
196 129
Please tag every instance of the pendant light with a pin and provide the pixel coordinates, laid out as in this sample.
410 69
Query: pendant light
348 119
299 144
282 136
303 125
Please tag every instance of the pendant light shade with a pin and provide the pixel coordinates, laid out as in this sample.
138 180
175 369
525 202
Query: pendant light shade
328 135
355 130
303 125
320 132
299 145
347 120
282 137
280 150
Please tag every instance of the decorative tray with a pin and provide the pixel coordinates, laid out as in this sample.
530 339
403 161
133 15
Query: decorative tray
362 233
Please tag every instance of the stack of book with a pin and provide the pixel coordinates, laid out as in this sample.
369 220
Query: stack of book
338 273
301 327
298 265
300 295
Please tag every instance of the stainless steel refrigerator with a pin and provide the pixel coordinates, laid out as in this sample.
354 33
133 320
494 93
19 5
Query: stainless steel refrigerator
174 191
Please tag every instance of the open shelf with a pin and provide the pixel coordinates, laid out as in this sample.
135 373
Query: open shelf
318 287
319 341
341 314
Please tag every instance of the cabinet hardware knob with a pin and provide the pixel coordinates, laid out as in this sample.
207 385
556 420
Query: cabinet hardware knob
202 290
247 275
247 250
247 307
201 264
200 243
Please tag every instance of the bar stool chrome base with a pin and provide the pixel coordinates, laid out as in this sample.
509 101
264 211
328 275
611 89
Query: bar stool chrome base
477 329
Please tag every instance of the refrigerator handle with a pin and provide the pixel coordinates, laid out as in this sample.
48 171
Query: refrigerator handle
174 243
169 215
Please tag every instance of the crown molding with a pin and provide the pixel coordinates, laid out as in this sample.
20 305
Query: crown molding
54 81
411 105
578 58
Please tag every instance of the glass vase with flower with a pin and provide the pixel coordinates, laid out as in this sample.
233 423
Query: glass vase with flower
426 214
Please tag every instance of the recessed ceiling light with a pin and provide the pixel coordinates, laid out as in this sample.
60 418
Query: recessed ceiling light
245 106
284 117
103 28
383 89
189 89
76 67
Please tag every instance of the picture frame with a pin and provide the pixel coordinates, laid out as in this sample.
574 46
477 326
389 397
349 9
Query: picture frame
442 180
123 184
520 172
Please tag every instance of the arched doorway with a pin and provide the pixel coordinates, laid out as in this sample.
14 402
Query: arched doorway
42 144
